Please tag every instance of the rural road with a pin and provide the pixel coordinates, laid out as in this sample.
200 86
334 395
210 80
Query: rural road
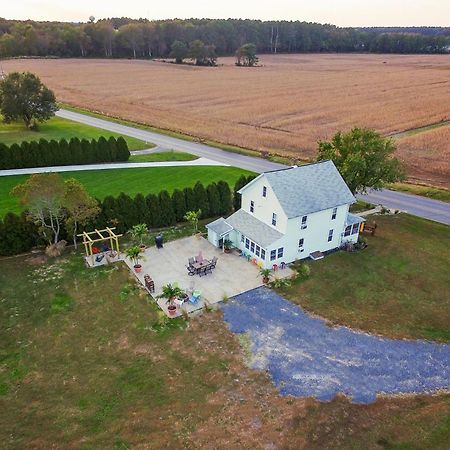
413 204
78 168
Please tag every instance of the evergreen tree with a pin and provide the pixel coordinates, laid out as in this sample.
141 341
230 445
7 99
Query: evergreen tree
153 211
76 154
167 211
191 203
44 156
102 150
240 183
15 152
213 200
87 151
125 211
63 157
4 156
24 154
53 153
109 211
123 154
179 205
113 152
17 234
201 199
140 208
226 203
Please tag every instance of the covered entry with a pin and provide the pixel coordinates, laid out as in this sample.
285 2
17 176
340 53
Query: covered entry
218 232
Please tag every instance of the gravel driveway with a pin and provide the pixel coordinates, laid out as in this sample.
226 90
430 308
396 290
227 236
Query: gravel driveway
305 357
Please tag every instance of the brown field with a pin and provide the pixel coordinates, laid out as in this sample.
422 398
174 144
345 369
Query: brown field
285 106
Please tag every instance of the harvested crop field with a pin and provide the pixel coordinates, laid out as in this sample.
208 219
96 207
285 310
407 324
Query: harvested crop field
285 106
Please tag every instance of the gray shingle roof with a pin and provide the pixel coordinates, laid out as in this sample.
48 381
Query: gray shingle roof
353 218
220 227
254 229
310 188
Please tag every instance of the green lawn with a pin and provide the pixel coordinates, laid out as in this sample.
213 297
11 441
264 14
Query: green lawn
57 128
163 156
101 183
399 286
435 193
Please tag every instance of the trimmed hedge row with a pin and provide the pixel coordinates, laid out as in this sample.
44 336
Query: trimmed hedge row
45 153
19 235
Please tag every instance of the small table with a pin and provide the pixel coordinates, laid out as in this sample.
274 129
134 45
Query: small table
199 265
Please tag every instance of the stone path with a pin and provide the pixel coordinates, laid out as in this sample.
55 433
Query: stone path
76 168
305 357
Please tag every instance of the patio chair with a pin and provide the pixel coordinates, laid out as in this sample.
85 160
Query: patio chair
191 270
195 297
214 262
191 261
202 271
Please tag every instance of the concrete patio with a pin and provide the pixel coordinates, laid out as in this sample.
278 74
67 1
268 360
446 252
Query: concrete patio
233 274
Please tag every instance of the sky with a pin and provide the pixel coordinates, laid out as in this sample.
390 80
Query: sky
337 12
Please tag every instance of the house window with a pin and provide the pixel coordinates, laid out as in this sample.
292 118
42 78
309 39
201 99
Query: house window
264 191
257 250
330 235
348 230
355 228
274 219
242 238
280 252
263 254
247 243
301 243
333 215
252 247
252 206
304 224
273 255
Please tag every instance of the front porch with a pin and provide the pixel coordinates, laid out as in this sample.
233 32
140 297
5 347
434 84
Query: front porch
232 275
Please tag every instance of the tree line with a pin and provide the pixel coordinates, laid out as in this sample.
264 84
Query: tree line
19 234
128 38
45 153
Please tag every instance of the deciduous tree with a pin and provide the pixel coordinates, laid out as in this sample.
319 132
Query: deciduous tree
24 97
364 158
179 51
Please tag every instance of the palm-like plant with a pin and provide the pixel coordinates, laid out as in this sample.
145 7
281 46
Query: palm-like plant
170 292
265 273
134 253
138 232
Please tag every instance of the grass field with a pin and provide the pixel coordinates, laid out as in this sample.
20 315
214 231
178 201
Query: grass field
425 191
84 364
399 286
101 183
286 105
163 156
57 128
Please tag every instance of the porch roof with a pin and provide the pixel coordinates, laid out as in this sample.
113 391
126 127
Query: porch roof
220 227
254 229
353 218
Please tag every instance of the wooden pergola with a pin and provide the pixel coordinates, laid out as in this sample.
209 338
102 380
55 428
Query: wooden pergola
92 237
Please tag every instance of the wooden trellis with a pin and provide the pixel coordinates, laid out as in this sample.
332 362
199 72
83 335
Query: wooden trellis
107 234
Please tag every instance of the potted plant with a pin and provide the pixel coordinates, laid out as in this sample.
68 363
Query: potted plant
227 245
170 293
134 253
265 273
138 232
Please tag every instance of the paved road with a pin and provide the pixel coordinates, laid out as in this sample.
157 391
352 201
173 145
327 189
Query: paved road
305 357
108 166
413 204
420 206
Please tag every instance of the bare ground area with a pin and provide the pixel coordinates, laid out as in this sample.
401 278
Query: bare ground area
285 106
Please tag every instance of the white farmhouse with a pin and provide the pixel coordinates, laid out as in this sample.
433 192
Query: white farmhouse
290 214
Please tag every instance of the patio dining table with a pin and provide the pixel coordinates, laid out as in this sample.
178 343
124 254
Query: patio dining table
199 265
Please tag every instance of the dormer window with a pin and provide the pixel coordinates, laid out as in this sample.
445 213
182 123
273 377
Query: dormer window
333 215
274 219
252 206
264 193
304 225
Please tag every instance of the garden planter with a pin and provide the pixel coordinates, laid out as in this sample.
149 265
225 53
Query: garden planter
142 248
227 250
137 268
265 280
172 310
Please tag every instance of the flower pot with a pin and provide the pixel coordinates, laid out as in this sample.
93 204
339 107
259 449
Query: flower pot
172 310
142 247
137 268
265 280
